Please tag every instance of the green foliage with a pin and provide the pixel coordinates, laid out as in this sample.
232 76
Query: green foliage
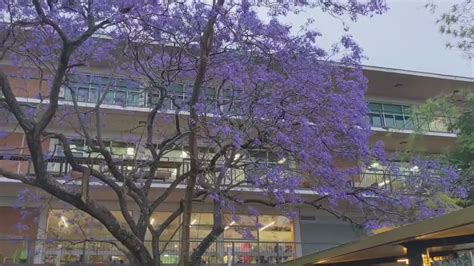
458 22
458 108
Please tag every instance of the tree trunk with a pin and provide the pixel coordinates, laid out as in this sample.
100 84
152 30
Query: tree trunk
217 229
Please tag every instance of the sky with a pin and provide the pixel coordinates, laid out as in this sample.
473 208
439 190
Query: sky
405 37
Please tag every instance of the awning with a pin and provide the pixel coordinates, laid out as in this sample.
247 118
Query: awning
446 233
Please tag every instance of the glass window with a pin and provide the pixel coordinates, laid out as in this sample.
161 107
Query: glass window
275 228
103 81
121 97
133 99
82 94
100 84
201 219
93 95
392 108
389 120
172 231
75 224
399 121
67 93
375 120
121 148
201 225
237 226
375 107
109 98
176 90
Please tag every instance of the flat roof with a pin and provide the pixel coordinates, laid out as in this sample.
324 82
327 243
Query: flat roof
418 73
388 244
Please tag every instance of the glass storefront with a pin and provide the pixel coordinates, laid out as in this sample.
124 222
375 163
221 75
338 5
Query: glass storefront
249 239
80 238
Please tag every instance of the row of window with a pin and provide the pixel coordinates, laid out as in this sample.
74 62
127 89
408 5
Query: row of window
125 92
388 115
63 224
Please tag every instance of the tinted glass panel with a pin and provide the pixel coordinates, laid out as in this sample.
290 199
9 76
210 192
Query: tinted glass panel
375 107
399 121
392 108
389 121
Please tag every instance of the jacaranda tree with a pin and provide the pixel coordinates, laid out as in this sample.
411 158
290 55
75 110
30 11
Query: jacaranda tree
254 84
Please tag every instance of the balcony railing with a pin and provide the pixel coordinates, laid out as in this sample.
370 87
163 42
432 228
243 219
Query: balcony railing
106 252
381 179
169 168
410 122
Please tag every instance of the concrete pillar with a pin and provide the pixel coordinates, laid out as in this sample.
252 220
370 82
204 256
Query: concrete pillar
41 236
297 237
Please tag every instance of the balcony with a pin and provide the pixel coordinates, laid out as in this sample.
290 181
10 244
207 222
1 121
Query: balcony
400 117
128 93
169 168
380 179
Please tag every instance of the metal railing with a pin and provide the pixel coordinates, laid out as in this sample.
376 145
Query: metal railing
410 122
110 252
381 179
172 167
168 169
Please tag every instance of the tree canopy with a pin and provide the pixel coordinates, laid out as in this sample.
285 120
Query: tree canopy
251 84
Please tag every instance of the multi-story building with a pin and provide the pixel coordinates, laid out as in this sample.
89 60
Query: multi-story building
52 232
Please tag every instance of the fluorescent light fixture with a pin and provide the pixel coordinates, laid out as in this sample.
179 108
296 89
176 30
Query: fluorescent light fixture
383 183
266 226
282 161
228 226
64 221
406 261
374 165
193 221
130 151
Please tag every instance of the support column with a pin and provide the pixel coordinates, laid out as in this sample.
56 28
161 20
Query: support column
415 252
41 236
297 237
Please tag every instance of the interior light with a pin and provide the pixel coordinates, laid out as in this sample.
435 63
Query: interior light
64 221
152 221
193 221
383 183
228 226
175 246
414 169
282 161
266 226
374 165
130 151
406 261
